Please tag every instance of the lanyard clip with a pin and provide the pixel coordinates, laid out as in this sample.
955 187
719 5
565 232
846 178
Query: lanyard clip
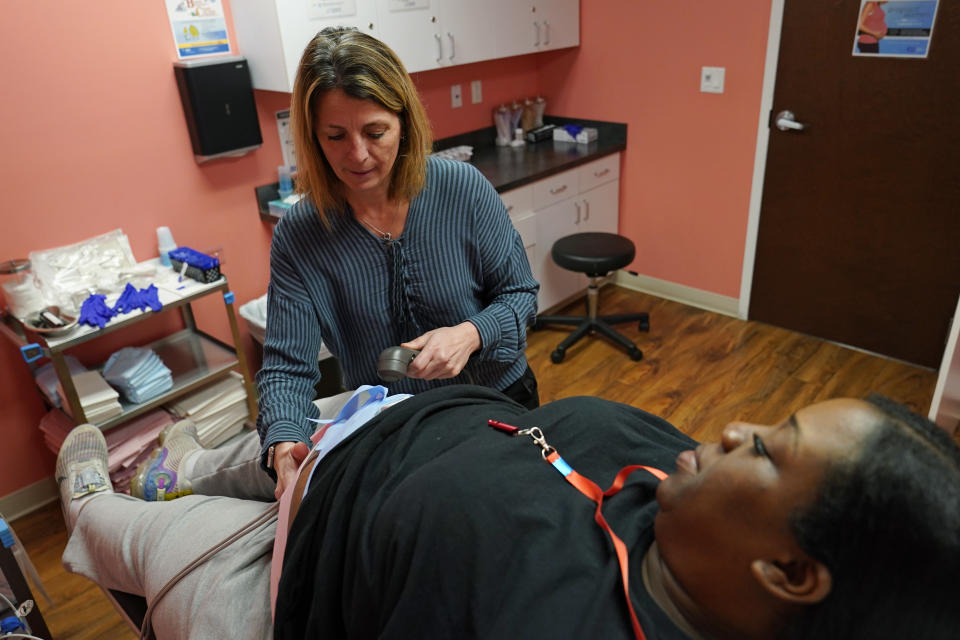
538 439
534 432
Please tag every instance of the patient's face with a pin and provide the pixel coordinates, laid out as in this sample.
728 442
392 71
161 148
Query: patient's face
729 503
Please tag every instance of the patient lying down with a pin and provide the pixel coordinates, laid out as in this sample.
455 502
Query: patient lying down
839 522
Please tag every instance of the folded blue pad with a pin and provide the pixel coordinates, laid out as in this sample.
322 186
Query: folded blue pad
137 373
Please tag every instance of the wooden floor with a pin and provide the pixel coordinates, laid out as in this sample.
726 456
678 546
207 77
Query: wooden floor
700 370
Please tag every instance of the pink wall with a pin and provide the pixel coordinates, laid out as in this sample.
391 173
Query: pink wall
502 81
94 139
686 175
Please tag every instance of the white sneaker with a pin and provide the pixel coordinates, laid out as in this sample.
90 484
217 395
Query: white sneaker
82 467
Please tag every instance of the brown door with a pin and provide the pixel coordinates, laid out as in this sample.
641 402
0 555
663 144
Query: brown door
859 234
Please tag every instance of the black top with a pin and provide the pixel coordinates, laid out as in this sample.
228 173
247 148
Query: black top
427 523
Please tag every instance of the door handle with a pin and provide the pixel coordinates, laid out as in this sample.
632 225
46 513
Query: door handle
785 120
536 25
439 47
453 46
577 205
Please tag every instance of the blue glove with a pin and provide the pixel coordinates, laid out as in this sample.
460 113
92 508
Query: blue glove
128 300
95 312
150 297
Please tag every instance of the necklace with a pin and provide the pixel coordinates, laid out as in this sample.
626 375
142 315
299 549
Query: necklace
384 235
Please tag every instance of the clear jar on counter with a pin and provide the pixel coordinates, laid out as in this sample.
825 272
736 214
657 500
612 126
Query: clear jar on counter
21 294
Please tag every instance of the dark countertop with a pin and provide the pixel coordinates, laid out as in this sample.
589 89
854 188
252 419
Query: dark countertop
511 167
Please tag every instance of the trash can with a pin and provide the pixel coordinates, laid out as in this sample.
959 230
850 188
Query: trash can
254 313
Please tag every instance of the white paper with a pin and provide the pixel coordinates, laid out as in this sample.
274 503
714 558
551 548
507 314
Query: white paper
406 5
286 138
325 9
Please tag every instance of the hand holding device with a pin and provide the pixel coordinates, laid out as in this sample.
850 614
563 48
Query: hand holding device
393 362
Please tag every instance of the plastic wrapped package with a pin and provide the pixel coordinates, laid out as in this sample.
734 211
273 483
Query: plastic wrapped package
103 264
47 380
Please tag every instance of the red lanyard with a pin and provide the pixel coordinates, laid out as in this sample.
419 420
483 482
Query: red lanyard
589 488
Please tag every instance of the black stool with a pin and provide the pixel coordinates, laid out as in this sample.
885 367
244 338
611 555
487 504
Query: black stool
596 255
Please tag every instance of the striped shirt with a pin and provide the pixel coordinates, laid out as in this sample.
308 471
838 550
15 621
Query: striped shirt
459 258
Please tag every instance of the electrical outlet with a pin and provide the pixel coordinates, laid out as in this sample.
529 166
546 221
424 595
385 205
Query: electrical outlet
476 92
711 79
456 96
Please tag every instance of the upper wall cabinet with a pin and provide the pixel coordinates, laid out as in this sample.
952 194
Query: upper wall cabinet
526 27
273 33
426 34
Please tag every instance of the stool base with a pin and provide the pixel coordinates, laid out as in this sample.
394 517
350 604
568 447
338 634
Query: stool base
592 323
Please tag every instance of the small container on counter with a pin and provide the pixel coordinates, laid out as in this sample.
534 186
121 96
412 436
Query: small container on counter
20 291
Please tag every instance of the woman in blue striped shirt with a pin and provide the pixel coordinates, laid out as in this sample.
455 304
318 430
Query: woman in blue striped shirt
387 247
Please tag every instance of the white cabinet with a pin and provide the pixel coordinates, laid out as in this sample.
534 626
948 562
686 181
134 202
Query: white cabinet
559 24
442 33
519 203
526 26
426 34
583 199
412 32
272 34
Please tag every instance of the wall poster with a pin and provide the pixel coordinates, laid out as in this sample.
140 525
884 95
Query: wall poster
894 29
199 28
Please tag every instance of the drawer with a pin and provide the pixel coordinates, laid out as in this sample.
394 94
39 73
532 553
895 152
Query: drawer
518 201
555 188
526 225
600 171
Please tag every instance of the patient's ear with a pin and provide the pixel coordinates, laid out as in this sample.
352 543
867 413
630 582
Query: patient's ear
798 580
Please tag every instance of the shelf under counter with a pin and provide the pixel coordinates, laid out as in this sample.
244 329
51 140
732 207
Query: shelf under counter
194 358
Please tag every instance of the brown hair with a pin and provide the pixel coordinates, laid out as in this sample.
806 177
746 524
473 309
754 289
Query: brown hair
362 67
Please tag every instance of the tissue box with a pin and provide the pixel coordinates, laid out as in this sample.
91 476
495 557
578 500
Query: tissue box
281 206
587 134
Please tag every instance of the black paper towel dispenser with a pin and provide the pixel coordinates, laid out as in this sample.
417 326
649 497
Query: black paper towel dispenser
217 98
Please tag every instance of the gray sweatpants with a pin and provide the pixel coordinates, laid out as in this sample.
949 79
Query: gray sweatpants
134 546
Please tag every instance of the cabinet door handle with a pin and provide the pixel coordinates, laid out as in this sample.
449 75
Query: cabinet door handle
546 27
558 190
600 174
536 25
577 205
586 206
453 46
439 47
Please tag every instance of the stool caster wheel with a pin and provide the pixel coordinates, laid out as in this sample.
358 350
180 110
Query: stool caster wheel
644 325
557 356
635 354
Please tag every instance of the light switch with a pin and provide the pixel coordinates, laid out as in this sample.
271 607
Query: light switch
476 92
456 96
711 79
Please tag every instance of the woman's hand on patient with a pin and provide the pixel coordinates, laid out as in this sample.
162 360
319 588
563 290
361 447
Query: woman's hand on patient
287 458
443 352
